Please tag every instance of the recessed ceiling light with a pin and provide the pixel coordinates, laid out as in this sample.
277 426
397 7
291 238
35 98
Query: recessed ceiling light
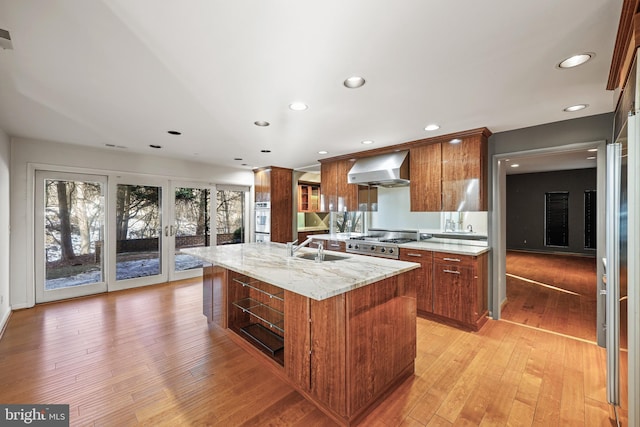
155 146
244 164
323 152
110 145
592 150
577 107
354 82
575 60
174 132
515 165
367 142
265 151
455 141
591 158
261 123
432 126
237 158
298 106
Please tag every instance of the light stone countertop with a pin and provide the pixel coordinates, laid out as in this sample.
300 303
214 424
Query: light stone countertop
439 245
269 263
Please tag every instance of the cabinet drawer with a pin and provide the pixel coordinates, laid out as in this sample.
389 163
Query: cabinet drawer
415 255
454 259
330 245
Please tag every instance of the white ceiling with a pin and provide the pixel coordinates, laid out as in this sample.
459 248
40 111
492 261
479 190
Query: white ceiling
124 72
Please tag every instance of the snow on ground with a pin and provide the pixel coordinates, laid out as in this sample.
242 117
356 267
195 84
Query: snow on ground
124 270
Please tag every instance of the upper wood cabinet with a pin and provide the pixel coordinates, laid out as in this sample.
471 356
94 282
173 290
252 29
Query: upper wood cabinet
308 197
464 175
275 185
450 176
262 182
425 163
337 195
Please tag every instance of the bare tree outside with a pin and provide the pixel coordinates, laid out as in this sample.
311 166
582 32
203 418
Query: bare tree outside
230 216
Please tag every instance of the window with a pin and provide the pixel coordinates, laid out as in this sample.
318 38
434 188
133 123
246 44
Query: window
557 219
590 219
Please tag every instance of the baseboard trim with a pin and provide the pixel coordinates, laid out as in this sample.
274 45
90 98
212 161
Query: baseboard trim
5 321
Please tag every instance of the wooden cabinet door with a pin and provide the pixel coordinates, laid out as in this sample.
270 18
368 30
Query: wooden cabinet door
347 193
297 338
281 205
328 187
423 277
452 292
262 183
425 163
464 175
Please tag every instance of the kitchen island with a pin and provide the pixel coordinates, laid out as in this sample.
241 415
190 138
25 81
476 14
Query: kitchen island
342 332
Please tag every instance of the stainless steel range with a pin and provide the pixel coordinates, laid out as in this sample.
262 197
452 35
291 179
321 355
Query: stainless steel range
381 243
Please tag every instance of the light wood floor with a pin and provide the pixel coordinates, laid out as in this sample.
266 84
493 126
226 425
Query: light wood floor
567 307
147 357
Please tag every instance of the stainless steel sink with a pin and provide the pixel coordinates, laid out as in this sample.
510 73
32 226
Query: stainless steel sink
327 257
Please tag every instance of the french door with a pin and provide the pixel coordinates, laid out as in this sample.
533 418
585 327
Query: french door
69 235
98 233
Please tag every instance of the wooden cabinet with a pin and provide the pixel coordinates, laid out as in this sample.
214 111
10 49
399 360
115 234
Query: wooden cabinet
308 198
347 351
262 182
337 194
460 288
344 353
450 175
423 277
425 164
464 175
275 185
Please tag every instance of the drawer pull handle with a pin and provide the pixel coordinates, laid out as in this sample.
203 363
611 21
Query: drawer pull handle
451 271
452 259
335 245
418 255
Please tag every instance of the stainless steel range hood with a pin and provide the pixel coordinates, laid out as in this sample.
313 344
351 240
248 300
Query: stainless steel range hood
384 170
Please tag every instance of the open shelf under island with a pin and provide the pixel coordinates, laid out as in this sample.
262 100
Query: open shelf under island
343 333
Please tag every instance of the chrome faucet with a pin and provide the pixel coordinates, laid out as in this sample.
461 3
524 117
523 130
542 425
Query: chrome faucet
320 256
469 228
292 248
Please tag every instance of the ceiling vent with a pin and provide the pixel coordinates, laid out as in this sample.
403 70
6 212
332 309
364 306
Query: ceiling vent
5 39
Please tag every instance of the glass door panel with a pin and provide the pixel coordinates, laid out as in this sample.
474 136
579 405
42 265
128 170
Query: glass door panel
230 216
138 231
69 235
191 227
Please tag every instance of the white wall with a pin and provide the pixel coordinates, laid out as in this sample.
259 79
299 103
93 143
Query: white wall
5 308
394 213
26 154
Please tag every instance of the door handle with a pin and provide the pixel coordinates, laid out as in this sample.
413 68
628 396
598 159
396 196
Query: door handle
166 231
171 230
451 271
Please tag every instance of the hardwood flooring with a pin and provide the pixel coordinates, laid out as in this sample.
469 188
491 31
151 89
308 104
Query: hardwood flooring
552 292
148 357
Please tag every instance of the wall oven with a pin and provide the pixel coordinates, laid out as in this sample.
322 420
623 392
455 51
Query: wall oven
263 217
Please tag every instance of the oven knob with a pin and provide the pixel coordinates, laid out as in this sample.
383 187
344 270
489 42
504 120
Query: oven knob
350 246
383 250
356 247
373 248
390 250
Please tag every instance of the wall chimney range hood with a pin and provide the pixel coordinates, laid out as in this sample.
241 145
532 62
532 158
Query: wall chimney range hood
383 170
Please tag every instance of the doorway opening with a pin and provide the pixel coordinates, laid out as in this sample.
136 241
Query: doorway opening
548 235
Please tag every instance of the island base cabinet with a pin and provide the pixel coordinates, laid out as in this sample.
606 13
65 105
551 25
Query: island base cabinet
356 346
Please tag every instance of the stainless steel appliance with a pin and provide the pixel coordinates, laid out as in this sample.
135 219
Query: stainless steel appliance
381 243
263 222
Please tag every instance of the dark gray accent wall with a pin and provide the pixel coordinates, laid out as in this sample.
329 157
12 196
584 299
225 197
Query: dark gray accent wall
526 208
584 129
